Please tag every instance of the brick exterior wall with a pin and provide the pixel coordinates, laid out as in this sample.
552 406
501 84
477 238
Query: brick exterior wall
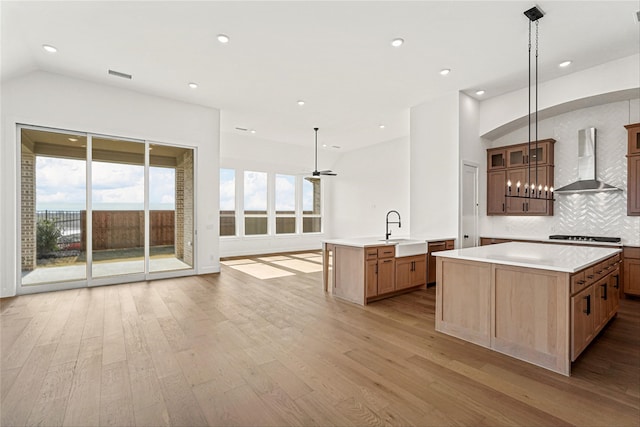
179 239
28 211
188 207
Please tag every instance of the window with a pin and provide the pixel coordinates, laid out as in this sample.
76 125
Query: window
311 208
255 203
285 204
227 202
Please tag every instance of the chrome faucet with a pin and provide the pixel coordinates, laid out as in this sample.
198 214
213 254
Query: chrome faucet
395 222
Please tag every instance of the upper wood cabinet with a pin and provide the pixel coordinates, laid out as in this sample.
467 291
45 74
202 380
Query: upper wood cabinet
634 138
525 163
535 153
633 170
496 159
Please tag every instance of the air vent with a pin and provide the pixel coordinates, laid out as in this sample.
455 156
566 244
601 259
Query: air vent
637 16
119 74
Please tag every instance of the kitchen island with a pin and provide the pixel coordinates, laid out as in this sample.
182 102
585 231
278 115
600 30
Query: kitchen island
536 302
366 269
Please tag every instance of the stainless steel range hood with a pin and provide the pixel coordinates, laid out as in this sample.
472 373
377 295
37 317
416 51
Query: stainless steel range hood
587 182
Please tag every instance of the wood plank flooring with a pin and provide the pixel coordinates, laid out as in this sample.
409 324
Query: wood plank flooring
233 350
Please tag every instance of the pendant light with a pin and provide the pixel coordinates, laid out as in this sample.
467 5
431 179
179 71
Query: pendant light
530 191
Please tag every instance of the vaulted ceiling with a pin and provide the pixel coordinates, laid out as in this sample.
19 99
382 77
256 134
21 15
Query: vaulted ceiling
336 56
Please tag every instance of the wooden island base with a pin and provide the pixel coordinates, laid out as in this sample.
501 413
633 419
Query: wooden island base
540 316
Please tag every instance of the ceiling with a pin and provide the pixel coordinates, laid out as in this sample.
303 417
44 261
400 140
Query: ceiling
336 56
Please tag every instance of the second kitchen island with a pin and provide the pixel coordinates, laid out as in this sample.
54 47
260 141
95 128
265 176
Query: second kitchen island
536 302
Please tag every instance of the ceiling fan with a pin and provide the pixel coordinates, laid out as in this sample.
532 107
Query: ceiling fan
316 172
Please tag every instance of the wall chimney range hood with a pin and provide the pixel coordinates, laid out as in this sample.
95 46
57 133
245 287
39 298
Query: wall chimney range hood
587 182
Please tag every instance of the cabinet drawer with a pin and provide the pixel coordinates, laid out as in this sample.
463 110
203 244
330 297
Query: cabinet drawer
578 282
589 275
371 254
387 252
631 252
449 244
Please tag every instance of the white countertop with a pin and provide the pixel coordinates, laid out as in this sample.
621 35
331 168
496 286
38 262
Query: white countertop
565 258
363 242
547 240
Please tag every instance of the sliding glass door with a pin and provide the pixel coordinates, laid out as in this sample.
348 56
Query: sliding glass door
98 210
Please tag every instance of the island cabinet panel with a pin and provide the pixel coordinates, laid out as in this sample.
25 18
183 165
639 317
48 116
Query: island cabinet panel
348 270
463 305
530 318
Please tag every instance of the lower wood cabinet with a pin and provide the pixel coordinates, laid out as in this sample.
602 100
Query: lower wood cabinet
631 271
595 300
411 271
379 270
443 245
583 327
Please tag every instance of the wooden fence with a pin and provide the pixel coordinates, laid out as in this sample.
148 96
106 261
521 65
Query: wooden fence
125 229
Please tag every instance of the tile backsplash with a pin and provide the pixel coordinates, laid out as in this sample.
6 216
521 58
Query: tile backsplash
596 214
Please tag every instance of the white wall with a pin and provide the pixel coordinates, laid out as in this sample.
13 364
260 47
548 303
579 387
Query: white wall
510 109
600 214
434 163
55 101
250 152
371 181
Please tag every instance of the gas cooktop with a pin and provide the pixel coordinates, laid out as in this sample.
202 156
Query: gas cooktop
586 238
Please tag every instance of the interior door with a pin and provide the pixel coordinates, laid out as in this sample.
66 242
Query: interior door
469 226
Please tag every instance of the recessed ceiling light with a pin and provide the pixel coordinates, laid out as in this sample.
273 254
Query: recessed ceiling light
73 139
324 145
300 102
397 42
564 64
445 71
49 48
252 131
223 38
381 126
193 85
479 92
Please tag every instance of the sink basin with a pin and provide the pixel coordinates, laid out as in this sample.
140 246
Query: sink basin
408 247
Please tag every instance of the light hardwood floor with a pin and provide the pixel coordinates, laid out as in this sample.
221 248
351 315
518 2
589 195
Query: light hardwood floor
230 349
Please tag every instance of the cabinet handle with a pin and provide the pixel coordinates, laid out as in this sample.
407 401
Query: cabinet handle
617 285
588 310
604 293
523 207
580 282
590 276
376 268
503 207
387 260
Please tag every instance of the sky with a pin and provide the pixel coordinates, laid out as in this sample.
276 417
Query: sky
255 191
61 185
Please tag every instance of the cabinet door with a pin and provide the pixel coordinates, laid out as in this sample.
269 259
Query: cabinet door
516 156
601 289
496 159
633 185
371 278
419 276
516 205
386 275
582 325
634 138
496 189
541 154
614 291
404 270
544 177
632 276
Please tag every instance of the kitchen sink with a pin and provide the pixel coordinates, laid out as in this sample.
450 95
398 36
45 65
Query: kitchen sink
408 247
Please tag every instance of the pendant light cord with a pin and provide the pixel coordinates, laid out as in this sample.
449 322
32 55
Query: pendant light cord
529 108
537 102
